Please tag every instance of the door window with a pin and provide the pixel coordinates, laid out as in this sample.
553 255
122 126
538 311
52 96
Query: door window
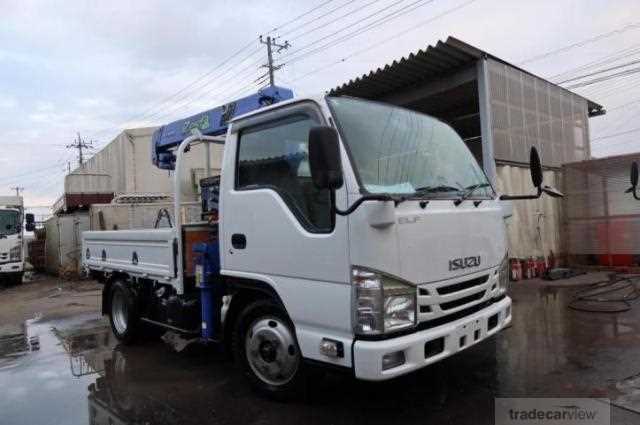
275 156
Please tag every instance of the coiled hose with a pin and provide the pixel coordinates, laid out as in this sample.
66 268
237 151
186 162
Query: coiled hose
614 295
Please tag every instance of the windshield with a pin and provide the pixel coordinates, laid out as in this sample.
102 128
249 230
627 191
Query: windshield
399 151
9 222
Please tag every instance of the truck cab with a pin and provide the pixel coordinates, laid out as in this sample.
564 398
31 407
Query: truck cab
11 239
349 233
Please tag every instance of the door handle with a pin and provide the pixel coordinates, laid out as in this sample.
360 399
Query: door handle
238 241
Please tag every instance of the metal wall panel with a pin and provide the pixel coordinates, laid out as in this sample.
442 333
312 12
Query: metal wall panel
85 182
528 111
138 216
534 227
600 219
64 243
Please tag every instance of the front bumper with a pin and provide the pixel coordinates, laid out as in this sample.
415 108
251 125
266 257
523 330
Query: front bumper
368 355
13 267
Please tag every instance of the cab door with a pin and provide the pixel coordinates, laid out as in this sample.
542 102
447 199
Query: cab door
276 226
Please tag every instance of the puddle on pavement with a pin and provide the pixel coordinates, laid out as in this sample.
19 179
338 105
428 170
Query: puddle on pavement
629 397
73 371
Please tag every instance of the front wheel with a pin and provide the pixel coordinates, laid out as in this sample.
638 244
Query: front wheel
123 312
266 348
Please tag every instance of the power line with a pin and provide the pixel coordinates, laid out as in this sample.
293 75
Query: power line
188 90
582 43
30 173
623 105
612 87
216 89
213 70
189 96
608 136
393 15
317 18
387 40
279 27
346 27
350 13
607 59
601 71
606 78
203 76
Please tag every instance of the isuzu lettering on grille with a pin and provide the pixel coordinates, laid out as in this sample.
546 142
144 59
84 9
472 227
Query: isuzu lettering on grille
464 263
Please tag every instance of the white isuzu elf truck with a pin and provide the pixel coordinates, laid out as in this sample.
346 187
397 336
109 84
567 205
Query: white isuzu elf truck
12 243
341 231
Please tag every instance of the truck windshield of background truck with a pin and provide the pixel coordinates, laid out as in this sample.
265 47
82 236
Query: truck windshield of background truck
399 151
9 222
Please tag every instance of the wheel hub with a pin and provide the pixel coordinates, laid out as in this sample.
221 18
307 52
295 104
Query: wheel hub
271 350
267 351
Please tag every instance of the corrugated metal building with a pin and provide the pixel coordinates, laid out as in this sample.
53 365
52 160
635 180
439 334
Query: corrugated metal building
127 160
500 111
601 221
63 242
81 189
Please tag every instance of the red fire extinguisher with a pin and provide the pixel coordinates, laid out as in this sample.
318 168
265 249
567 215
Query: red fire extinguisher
533 270
516 270
541 266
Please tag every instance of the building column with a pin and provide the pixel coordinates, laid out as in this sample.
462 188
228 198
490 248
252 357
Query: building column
484 102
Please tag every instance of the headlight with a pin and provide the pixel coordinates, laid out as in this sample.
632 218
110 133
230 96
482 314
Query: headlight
503 275
381 303
15 253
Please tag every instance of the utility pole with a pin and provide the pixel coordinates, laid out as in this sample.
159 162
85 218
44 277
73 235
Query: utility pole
18 189
271 43
80 144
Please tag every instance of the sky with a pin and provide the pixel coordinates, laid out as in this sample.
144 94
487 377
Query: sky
95 67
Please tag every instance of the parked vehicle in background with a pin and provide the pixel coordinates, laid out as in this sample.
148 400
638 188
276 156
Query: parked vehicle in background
342 232
12 242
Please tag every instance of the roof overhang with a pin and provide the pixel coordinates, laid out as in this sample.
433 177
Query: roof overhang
434 62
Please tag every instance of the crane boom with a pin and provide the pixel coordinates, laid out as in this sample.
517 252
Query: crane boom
210 123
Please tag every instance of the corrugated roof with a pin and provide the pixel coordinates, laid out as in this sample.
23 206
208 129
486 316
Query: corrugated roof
433 62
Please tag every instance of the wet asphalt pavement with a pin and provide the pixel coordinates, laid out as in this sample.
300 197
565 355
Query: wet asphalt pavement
72 371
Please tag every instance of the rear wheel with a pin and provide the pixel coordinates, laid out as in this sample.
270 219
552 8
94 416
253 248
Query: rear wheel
265 346
123 312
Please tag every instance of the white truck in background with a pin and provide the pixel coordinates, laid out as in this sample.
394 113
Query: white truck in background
342 232
12 242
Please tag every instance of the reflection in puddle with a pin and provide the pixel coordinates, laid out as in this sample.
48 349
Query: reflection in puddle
74 372
17 343
629 397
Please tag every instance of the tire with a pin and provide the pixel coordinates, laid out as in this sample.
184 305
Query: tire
123 312
266 349
12 279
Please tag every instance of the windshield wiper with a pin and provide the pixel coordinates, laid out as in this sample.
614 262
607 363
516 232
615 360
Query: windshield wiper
469 190
437 189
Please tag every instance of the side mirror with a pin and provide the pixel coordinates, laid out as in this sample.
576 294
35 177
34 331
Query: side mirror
535 167
324 158
634 180
30 222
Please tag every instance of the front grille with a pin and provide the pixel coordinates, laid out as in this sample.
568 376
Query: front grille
444 290
462 301
430 324
444 298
